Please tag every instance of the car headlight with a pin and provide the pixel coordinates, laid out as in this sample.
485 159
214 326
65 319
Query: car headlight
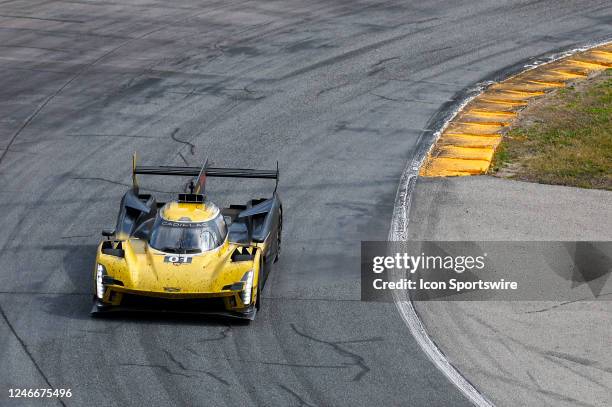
247 287
100 273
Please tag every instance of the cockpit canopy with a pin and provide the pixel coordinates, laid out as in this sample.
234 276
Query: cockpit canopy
173 233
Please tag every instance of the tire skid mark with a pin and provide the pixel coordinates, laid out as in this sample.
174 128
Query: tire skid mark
357 360
567 365
179 364
296 396
28 353
558 358
222 335
119 183
82 70
55 20
180 369
282 364
564 303
351 54
164 368
191 146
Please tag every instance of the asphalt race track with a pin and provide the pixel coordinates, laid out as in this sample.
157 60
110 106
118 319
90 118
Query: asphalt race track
339 92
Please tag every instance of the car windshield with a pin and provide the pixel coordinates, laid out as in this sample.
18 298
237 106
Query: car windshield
187 237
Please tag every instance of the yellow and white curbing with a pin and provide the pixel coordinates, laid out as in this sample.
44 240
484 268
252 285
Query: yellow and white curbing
467 143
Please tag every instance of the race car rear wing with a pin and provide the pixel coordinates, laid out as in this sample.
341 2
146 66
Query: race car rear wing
201 173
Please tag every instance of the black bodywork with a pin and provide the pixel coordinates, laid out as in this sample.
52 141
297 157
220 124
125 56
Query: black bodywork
257 221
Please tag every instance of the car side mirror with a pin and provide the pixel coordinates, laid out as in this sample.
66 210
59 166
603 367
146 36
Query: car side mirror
108 232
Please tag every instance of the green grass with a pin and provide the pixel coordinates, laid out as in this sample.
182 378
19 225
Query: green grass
565 138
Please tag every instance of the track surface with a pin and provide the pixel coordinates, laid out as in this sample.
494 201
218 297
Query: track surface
338 91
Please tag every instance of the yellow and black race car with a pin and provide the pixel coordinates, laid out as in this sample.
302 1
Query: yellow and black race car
188 255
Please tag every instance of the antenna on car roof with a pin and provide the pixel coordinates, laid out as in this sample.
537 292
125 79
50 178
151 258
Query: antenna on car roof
200 181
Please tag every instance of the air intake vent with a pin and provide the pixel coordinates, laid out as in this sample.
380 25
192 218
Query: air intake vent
191 198
243 254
